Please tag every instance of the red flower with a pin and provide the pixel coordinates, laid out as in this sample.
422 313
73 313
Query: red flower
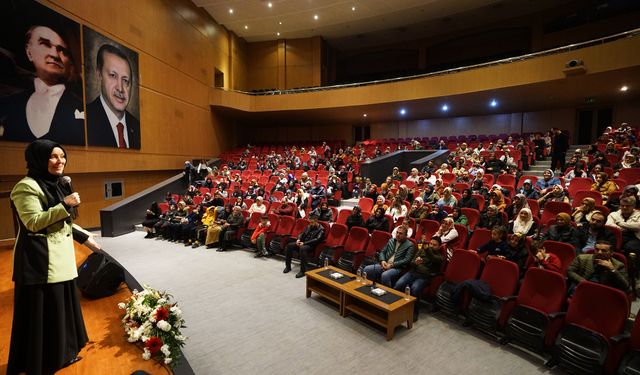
153 344
161 314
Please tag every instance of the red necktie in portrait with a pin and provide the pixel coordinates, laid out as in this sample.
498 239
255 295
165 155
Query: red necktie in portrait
121 142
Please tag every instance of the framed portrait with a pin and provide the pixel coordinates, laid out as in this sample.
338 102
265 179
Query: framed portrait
112 92
40 75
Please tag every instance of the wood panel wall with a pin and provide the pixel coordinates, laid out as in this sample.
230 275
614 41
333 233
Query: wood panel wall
179 48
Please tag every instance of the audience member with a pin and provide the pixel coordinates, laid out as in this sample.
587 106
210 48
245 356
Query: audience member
600 267
304 244
393 258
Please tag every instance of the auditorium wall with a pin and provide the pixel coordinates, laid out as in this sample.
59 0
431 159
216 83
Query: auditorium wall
179 47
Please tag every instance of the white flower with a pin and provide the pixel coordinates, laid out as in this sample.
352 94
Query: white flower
167 360
161 301
176 311
131 339
122 306
165 350
146 355
145 338
163 325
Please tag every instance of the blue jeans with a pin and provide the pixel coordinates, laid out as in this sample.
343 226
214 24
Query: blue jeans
416 282
388 277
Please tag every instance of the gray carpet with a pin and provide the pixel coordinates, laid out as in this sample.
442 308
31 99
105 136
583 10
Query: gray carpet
245 316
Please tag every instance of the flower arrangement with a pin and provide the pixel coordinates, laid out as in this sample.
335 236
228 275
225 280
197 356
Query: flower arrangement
151 319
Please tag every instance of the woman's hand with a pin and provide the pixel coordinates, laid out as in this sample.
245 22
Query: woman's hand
72 200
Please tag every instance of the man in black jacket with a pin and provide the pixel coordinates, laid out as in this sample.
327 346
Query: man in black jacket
594 232
559 150
306 242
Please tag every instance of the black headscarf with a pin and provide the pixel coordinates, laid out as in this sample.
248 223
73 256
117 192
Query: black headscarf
37 156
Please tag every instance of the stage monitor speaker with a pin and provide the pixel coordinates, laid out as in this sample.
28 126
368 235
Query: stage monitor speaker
99 277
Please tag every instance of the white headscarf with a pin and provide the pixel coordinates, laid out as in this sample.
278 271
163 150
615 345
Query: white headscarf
522 226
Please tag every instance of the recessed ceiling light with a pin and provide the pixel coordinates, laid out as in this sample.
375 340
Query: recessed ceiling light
269 5
315 17
230 10
445 108
403 111
278 33
280 23
364 115
246 27
493 103
624 88
353 8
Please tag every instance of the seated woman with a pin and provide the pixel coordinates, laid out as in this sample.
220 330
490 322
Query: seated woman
323 212
496 199
355 219
448 235
378 221
523 224
563 231
419 210
459 218
430 195
397 209
516 252
582 214
519 202
555 194
467 200
240 202
604 186
214 230
447 199
151 219
497 246
490 218
547 182
544 260
258 206
380 203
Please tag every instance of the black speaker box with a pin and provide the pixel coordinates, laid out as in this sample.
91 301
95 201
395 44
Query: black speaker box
99 277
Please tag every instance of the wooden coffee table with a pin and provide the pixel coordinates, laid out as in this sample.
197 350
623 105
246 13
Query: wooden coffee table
389 316
345 294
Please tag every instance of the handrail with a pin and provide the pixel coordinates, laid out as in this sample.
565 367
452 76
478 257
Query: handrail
508 60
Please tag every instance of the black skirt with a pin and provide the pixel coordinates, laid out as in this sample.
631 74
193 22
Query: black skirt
48 329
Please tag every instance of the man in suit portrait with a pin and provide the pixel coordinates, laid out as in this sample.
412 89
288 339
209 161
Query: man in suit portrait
47 108
108 121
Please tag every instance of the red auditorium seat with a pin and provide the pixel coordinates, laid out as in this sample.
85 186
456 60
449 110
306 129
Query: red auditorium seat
366 204
479 237
582 194
464 265
343 215
275 241
564 251
334 239
472 215
354 248
579 183
552 209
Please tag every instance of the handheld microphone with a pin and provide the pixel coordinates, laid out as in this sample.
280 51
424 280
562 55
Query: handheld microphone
65 181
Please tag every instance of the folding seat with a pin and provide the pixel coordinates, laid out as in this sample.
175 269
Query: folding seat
377 241
334 212
582 194
563 250
163 206
354 248
618 233
464 265
621 183
631 175
204 190
591 329
343 215
275 241
278 195
428 227
506 180
198 199
479 237
488 180
533 179
460 186
299 227
461 241
335 238
472 215
579 183
630 364
552 209
534 206
502 277
536 313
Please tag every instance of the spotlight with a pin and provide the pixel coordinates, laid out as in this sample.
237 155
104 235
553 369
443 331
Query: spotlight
445 108
403 111
624 88
493 103
230 10
315 16
364 115
246 27
269 5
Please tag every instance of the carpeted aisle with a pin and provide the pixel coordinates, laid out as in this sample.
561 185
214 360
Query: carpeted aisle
244 316
107 352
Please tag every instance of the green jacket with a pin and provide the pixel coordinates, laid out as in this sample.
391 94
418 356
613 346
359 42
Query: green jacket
431 261
403 255
43 252
583 268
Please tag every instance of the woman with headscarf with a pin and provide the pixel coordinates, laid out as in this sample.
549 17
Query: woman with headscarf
547 182
397 209
604 186
490 218
516 251
355 219
496 199
519 202
447 198
377 221
524 223
447 234
380 203
459 218
48 330
556 194
468 200
430 195
563 231
582 214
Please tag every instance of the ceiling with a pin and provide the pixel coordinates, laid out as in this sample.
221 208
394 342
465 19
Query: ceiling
348 23
590 90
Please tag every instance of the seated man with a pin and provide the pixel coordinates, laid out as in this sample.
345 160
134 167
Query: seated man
599 267
627 218
396 254
426 262
306 242
230 228
317 193
595 232
285 209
